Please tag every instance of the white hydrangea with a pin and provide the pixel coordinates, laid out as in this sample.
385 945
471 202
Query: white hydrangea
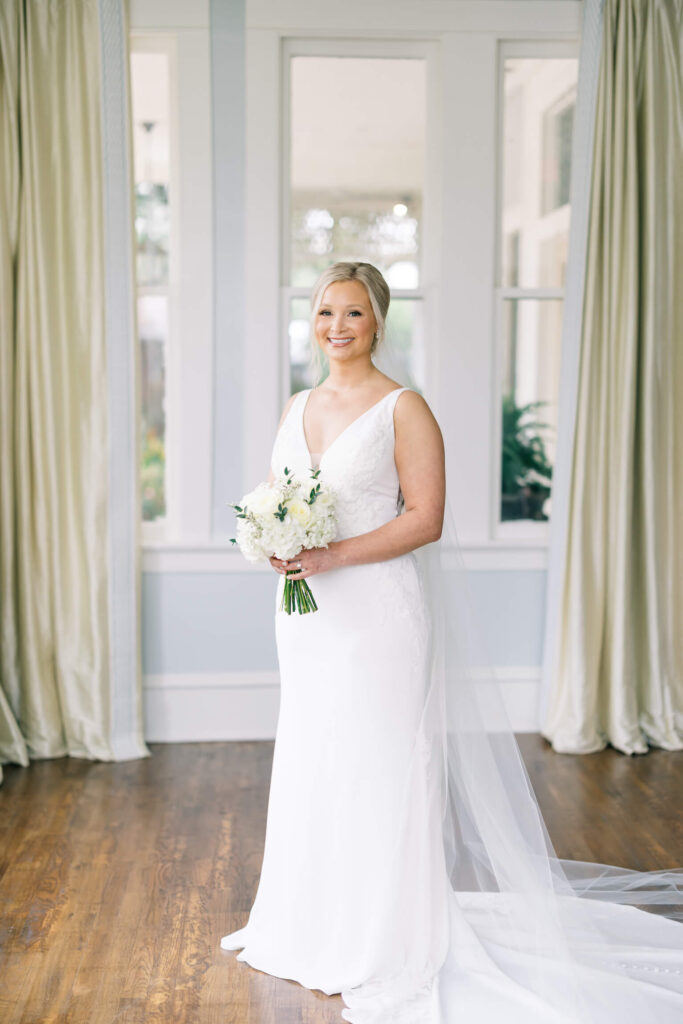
284 517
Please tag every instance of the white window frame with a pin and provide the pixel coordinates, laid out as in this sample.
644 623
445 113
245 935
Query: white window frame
189 354
521 532
460 261
459 286
266 381
153 531
407 49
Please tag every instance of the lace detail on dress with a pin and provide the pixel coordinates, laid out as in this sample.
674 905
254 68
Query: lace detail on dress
359 464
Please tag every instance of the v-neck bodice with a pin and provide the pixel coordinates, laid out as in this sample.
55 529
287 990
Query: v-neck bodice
359 463
356 419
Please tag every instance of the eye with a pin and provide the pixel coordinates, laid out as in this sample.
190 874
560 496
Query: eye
355 312
324 312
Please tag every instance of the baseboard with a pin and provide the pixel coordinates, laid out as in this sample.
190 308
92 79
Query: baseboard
185 708
182 708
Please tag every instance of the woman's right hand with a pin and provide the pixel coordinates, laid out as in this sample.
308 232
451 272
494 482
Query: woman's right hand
277 564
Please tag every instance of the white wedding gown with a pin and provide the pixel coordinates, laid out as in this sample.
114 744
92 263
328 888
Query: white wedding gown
354 895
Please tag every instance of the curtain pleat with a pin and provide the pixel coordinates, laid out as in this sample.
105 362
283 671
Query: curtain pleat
55 672
618 666
12 745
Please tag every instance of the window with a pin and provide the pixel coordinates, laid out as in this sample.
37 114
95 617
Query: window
356 185
475 226
171 114
538 99
151 148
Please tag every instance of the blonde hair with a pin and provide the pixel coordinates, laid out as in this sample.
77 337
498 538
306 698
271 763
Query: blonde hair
378 293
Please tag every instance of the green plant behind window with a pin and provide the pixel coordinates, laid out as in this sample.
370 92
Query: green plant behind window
152 475
526 472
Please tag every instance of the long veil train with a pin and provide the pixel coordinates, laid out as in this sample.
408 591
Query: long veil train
529 936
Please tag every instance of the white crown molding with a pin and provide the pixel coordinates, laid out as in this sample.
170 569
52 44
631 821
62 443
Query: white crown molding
510 17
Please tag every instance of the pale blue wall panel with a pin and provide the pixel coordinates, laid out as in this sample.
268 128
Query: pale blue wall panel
224 622
208 622
511 604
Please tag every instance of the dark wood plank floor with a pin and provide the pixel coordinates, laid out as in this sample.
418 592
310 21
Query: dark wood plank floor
117 881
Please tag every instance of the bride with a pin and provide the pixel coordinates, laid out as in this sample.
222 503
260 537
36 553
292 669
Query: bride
406 861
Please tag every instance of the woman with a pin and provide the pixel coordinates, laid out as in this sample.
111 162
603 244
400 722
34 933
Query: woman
406 864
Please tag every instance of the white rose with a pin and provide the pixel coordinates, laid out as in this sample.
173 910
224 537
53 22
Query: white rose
325 501
300 511
262 501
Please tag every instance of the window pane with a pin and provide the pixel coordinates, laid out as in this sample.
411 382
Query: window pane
538 118
150 105
153 332
558 126
300 371
150 92
405 337
531 373
357 159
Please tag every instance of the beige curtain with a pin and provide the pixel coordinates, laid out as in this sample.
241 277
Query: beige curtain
617 672
55 658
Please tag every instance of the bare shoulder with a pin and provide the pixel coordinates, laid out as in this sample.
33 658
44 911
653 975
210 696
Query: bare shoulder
419 441
412 411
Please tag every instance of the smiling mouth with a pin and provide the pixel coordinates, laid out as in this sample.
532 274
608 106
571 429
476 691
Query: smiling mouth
339 342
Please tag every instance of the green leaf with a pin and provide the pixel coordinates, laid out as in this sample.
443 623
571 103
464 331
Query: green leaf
524 458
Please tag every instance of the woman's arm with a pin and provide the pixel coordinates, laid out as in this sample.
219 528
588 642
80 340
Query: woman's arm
419 455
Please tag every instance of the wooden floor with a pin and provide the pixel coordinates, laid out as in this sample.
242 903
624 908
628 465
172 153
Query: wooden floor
117 881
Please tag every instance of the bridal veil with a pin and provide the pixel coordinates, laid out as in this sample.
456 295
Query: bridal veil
541 937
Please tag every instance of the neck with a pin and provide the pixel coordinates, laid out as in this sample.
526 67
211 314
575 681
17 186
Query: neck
348 375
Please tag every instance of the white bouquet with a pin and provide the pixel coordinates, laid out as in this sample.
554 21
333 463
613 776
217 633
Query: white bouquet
281 519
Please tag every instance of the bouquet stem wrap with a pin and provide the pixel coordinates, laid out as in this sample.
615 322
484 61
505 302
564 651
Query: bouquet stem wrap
297 596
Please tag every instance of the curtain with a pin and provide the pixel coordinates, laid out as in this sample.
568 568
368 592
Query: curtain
57 691
615 671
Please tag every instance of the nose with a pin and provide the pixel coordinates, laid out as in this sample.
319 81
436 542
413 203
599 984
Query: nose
337 325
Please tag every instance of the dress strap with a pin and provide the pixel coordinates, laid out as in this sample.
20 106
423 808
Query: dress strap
296 408
393 397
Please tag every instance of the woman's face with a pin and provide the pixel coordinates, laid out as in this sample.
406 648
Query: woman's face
345 324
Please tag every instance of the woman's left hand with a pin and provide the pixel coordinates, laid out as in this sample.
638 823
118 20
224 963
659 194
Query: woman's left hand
309 562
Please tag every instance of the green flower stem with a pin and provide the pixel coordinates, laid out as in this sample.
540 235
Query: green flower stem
297 595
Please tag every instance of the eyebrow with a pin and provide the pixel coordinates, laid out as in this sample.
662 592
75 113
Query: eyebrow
352 305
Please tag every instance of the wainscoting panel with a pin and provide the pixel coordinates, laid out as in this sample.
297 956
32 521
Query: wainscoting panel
183 708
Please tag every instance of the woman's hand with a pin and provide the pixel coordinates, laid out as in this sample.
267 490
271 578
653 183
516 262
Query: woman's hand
313 561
